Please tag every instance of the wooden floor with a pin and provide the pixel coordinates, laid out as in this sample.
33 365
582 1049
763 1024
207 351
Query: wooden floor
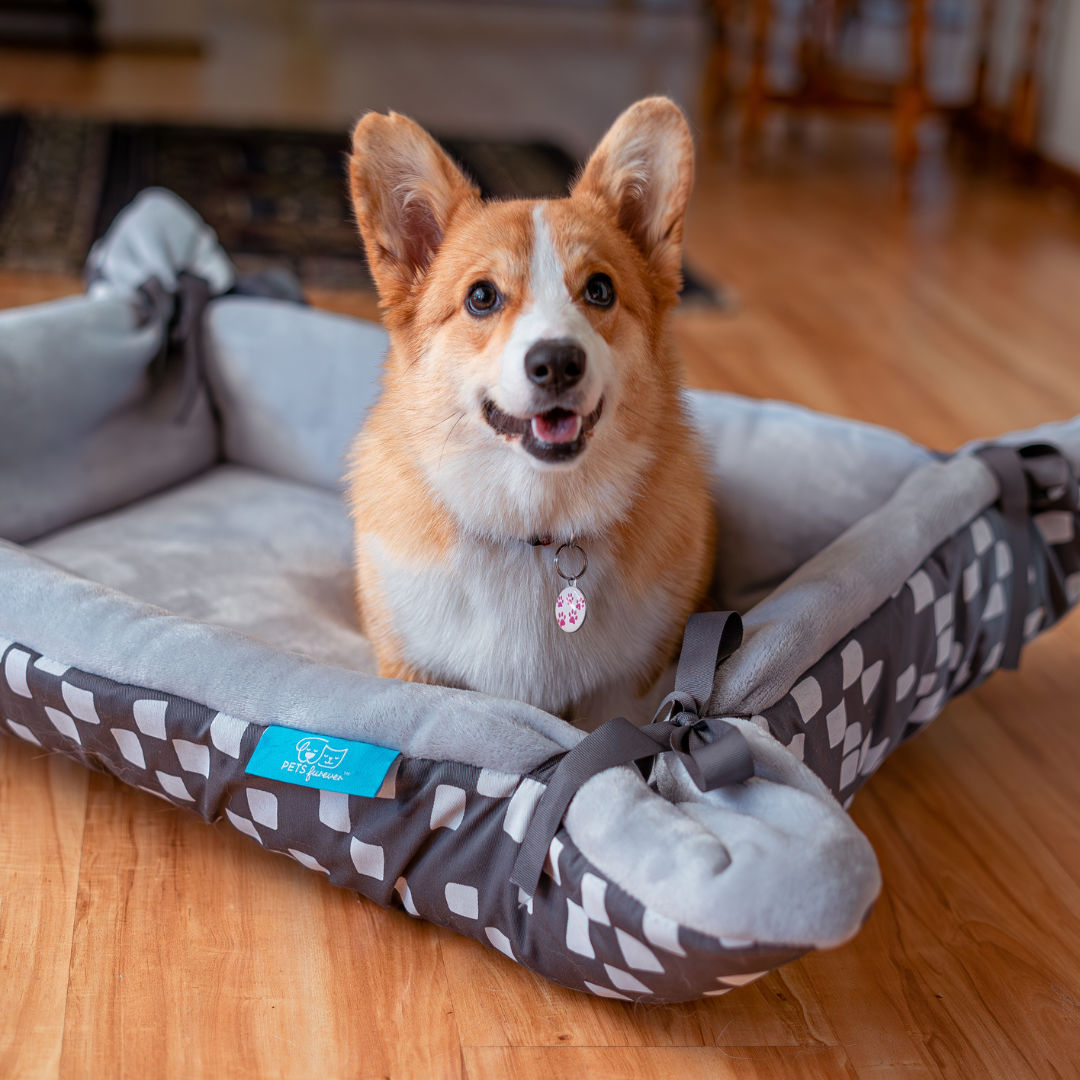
136 941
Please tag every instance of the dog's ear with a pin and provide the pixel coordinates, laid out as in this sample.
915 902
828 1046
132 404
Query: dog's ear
404 191
644 170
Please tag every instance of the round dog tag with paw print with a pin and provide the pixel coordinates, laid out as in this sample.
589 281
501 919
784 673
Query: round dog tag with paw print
570 609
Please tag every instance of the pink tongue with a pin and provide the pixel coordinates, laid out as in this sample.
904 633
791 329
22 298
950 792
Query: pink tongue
563 429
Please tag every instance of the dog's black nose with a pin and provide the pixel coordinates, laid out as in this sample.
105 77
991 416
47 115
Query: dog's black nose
555 365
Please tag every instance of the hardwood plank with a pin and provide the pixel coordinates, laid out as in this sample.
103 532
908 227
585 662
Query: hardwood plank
18 288
631 1063
1023 731
976 941
357 303
872 313
498 1003
197 954
43 810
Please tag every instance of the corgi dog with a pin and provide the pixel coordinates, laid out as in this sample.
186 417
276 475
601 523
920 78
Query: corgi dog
531 421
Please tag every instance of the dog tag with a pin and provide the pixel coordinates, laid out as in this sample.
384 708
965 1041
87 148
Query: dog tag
570 609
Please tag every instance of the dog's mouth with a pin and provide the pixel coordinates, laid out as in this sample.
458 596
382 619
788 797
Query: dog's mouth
554 435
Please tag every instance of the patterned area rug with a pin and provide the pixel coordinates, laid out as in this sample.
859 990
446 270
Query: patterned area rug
50 183
275 198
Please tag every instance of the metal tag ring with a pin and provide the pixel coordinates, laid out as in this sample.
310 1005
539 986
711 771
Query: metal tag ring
584 562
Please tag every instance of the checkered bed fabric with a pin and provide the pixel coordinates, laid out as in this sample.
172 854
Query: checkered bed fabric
942 633
439 839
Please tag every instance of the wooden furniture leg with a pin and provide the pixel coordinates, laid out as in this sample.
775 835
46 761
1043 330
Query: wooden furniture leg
988 16
757 84
1024 112
911 100
715 90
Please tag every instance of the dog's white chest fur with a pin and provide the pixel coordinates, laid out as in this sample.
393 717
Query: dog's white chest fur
486 620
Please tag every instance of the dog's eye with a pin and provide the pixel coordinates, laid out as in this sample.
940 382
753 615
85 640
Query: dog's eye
599 291
483 298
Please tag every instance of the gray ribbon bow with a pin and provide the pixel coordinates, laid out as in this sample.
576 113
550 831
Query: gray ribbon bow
714 752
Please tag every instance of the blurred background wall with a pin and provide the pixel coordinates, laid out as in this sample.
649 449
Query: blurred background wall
554 69
243 106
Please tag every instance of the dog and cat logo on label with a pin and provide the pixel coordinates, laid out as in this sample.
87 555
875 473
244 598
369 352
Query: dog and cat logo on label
316 759
319 752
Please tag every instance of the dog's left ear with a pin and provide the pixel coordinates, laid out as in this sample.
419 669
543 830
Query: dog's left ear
405 189
644 170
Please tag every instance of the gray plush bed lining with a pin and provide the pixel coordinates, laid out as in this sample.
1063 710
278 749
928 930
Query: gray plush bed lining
103 631
109 633
829 595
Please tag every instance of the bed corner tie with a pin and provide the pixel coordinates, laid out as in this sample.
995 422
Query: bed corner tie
714 752
1031 478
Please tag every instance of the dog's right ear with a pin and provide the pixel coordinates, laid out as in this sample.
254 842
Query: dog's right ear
405 189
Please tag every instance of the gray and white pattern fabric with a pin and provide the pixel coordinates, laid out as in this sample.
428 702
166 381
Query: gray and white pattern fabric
944 632
438 839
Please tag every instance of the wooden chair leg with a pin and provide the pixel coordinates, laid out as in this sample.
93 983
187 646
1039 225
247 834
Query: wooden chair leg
757 84
714 88
1024 112
987 20
911 99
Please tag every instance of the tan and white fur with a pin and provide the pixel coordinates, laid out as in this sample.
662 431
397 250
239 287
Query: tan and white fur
452 477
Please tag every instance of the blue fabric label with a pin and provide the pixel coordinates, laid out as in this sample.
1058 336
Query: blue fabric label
297 757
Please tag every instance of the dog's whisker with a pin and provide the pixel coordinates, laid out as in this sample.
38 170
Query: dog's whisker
632 412
461 416
455 416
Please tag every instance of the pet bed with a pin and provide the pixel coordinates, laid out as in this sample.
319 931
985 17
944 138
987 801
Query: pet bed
176 609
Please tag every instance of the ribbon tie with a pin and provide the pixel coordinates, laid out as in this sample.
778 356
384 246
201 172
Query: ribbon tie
714 752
